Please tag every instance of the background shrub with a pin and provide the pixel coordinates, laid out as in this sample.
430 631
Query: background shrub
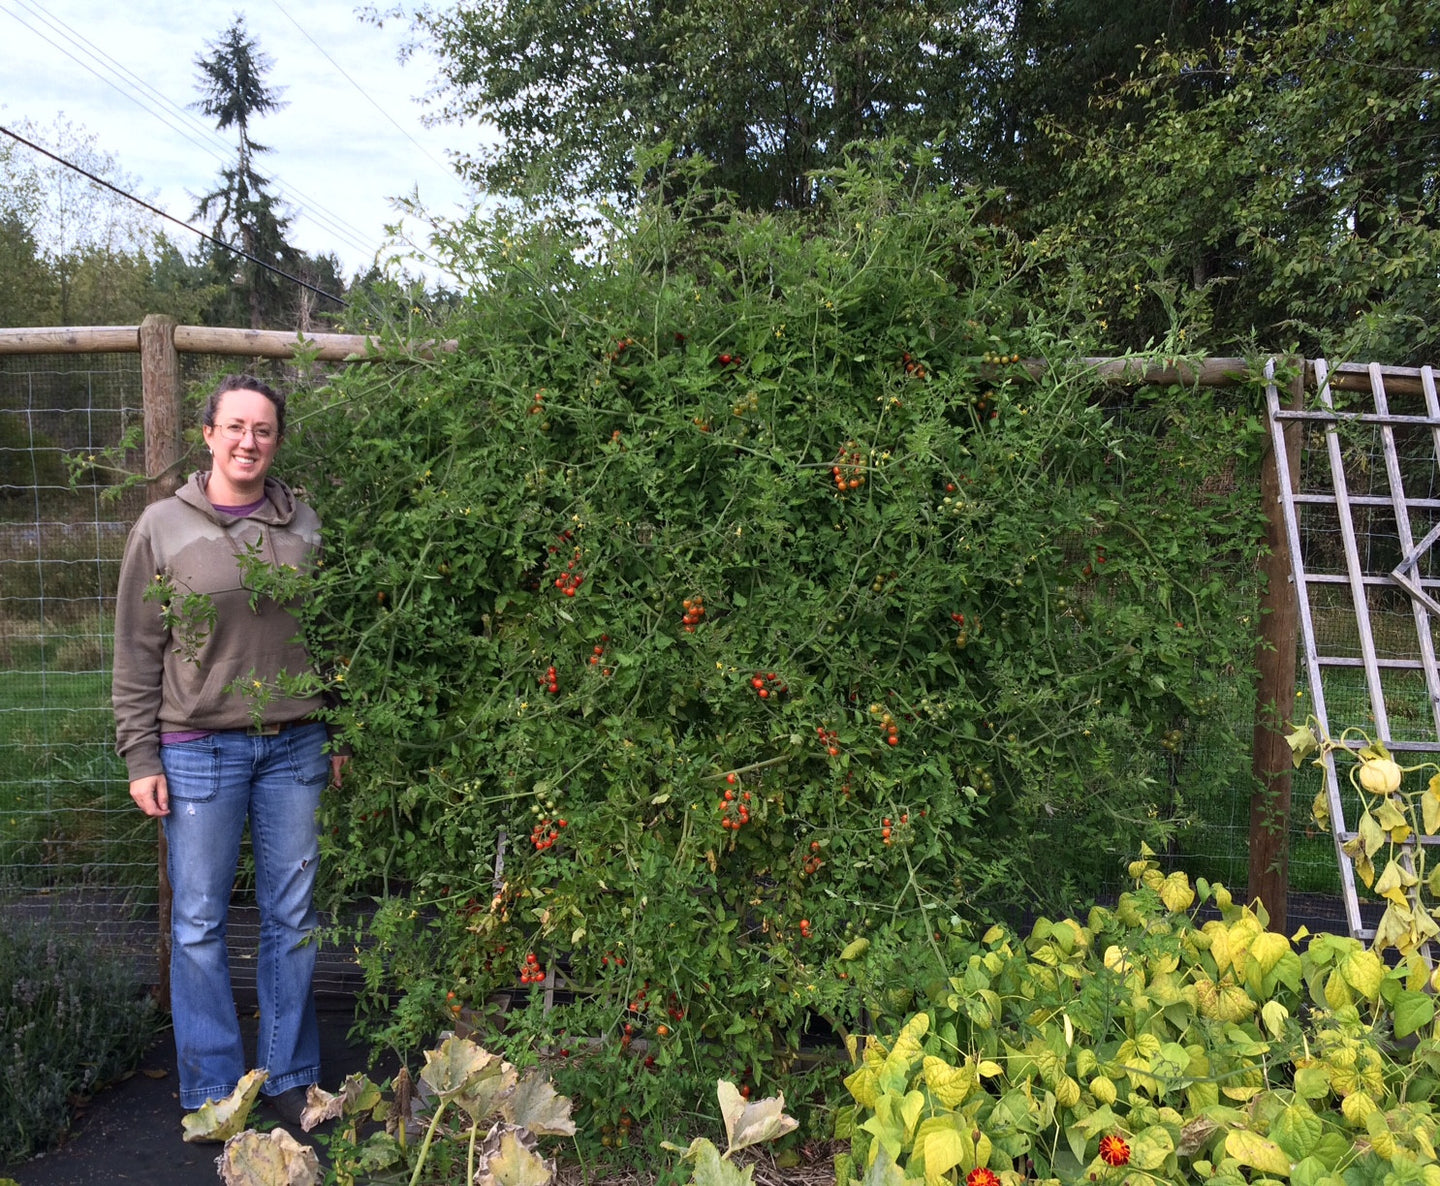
734 573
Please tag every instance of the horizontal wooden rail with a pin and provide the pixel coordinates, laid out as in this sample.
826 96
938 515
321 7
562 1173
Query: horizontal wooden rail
274 343
267 343
1226 372
90 339
195 339
1138 372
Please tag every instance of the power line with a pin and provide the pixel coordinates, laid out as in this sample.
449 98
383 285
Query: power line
328 220
321 49
86 66
59 160
135 81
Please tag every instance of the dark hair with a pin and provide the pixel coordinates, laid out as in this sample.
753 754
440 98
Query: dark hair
246 383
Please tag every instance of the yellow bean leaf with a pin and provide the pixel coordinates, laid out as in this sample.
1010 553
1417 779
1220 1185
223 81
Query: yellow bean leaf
1250 1148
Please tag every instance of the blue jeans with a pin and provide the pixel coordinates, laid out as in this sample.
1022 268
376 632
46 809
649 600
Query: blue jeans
215 782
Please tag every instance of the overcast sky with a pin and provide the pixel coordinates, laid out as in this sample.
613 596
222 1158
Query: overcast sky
341 149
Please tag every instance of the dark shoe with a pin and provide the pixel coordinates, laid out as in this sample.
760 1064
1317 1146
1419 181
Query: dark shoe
290 1104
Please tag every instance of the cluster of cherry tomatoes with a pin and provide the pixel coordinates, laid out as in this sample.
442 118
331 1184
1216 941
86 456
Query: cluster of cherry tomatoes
597 655
962 636
829 739
813 861
1099 561
734 811
887 723
751 403
537 402
805 932
621 346
694 608
550 681
531 972
544 834
617 1138
887 828
848 472
569 581
911 366
766 682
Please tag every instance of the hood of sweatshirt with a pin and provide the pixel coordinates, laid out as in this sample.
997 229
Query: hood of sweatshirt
279 508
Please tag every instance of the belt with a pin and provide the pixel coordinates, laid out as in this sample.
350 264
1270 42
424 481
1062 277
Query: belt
279 727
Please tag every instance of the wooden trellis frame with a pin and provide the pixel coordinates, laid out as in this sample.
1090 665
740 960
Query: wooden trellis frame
1361 577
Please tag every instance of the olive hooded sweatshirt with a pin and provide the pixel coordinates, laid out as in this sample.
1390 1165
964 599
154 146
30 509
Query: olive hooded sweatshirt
201 650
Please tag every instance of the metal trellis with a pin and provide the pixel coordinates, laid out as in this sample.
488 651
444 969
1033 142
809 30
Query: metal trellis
1338 587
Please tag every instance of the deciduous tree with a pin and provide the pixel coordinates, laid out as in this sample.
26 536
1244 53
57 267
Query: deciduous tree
768 92
1294 197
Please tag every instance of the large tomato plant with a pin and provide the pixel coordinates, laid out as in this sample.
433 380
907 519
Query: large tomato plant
734 573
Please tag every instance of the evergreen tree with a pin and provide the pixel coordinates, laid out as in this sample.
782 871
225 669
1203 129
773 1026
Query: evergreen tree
244 209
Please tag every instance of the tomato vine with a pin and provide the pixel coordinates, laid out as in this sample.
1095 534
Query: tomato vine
759 513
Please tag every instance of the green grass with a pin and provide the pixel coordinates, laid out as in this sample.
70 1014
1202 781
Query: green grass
65 819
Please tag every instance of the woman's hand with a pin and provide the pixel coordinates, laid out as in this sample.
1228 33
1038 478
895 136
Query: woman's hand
337 768
151 795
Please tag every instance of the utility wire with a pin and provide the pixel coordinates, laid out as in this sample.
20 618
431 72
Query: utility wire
86 66
321 49
332 223
224 150
171 218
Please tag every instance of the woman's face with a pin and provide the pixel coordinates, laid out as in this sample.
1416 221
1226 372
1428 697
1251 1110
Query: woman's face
243 441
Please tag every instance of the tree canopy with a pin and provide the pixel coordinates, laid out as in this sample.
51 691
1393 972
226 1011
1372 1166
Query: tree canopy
1265 172
1284 181
74 253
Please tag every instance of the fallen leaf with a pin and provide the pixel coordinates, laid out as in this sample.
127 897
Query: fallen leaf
536 1105
219 1120
268 1159
356 1094
748 1124
505 1161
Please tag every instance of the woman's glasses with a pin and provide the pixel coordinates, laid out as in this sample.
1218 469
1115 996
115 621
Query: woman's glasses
263 433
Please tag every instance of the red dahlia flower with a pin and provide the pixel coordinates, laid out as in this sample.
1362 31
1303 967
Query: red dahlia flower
1114 1151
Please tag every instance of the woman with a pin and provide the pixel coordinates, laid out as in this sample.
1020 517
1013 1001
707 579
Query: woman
210 740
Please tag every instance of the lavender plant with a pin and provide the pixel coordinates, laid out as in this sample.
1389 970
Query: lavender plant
71 1021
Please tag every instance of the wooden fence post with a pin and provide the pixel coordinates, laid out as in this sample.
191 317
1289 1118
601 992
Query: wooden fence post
1275 658
160 384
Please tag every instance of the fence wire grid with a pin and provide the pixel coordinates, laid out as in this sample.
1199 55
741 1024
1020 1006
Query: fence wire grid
75 854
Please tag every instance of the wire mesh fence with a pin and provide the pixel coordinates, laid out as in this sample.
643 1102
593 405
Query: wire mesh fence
74 851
